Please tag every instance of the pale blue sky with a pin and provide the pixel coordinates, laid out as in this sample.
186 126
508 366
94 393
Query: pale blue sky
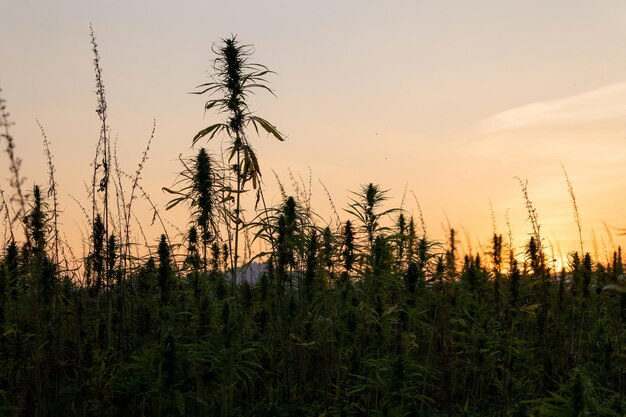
396 93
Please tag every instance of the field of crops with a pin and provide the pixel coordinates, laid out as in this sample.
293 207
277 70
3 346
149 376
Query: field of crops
364 316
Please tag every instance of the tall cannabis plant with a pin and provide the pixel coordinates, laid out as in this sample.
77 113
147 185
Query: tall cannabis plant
366 206
234 79
199 183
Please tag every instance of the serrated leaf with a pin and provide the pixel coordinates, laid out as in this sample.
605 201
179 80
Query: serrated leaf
267 126
233 152
174 203
213 130
210 104
167 190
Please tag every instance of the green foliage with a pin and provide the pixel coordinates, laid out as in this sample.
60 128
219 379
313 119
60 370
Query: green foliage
369 318
398 332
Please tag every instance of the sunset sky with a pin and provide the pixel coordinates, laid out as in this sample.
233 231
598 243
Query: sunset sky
449 100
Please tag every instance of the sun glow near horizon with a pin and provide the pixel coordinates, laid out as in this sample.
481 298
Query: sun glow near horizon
501 94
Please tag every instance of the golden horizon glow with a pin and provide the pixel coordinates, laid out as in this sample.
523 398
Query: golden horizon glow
449 103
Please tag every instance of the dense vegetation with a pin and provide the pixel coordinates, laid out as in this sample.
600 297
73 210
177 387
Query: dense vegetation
364 316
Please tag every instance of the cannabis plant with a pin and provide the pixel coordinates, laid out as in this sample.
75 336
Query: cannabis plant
235 78
366 206
200 184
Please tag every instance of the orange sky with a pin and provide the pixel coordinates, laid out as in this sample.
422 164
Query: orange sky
447 99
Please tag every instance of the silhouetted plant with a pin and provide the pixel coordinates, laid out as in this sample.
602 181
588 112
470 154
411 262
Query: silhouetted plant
366 206
15 163
96 259
41 268
52 192
381 256
285 229
617 265
570 189
587 272
514 284
36 223
399 332
327 254
402 237
451 255
165 271
192 260
534 221
111 258
535 256
474 274
311 272
102 158
496 260
200 189
127 209
215 257
348 248
12 263
235 79
412 277
4 291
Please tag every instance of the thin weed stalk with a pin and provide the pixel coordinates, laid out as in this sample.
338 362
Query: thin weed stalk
156 215
570 189
52 191
135 185
7 217
281 187
143 235
120 197
421 215
533 217
332 206
104 145
15 165
610 235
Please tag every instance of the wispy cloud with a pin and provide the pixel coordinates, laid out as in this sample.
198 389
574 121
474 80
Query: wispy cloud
605 104
587 130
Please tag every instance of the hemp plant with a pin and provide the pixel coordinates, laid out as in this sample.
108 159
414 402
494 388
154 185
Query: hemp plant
366 206
199 182
234 79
